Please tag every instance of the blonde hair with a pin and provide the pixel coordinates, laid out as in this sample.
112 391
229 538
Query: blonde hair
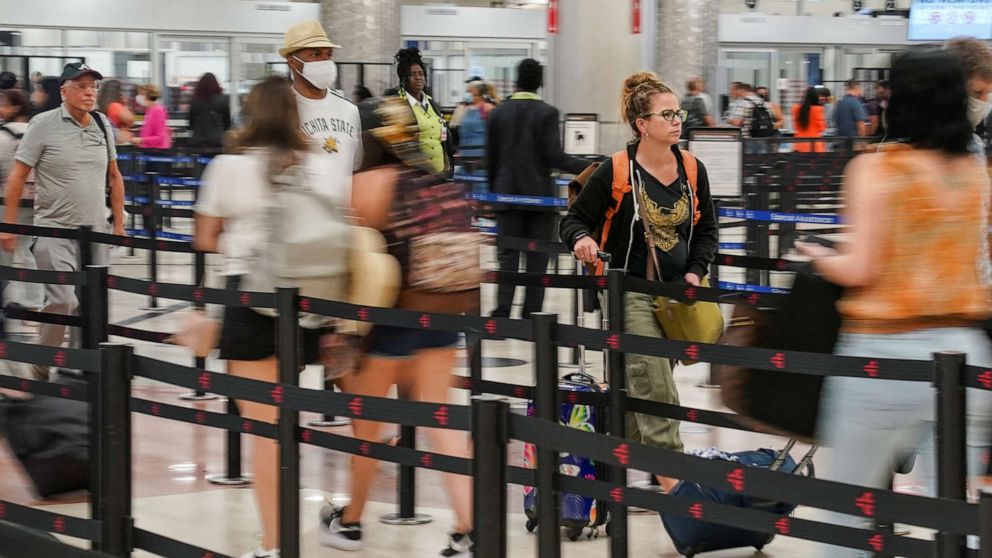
635 98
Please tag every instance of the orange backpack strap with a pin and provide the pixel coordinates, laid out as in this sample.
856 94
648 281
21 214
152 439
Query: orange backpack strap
692 173
621 185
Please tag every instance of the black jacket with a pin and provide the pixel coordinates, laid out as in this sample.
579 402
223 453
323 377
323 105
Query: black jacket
523 144
588 212
208 120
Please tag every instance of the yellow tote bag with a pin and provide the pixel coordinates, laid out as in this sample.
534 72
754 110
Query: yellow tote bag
701 322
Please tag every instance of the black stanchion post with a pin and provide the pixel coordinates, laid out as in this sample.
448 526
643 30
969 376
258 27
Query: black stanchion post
94 307
406 487
751 226
150 220
546 408
233 475
985 523
763 227
473 343
113 430
617 412
288 351
490 436
952 474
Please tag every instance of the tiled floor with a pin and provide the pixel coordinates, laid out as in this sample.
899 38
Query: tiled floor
171 460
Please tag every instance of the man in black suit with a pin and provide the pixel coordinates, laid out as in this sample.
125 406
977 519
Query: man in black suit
524 144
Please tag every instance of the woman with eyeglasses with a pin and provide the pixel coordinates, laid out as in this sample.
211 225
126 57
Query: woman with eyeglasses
681 222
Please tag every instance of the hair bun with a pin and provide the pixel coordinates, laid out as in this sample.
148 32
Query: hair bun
641 78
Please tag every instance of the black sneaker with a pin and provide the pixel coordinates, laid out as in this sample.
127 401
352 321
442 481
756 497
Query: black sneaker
335 533
459 543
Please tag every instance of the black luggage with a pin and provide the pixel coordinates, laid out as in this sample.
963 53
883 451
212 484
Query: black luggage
50 437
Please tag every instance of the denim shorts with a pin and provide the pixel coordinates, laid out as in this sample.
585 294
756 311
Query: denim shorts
401 342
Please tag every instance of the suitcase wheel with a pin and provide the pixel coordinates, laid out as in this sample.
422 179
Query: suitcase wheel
572 532
531 525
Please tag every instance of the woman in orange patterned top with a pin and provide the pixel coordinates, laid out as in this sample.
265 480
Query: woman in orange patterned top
917 276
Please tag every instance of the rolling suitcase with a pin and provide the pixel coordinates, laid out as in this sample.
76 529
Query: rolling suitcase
692 536
580 515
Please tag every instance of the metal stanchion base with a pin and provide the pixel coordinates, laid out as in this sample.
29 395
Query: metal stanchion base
339 421
397 519
693 428
224 480
197 397
153 309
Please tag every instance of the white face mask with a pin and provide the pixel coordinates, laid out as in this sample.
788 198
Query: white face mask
978 110
141 100
321 74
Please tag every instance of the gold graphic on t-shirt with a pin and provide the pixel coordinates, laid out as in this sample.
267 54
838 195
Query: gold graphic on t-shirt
665 221
331 144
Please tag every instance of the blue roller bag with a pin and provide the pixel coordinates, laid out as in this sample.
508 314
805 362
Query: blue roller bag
692 536
579 514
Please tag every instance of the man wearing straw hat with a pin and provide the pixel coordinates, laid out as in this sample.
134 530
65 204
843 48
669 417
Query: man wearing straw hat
326 116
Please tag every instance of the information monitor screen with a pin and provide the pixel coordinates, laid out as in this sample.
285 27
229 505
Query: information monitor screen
939 20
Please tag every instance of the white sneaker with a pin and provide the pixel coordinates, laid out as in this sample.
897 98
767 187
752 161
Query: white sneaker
335 534
458 544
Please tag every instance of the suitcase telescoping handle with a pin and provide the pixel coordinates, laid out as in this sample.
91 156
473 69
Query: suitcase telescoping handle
605 256
580 378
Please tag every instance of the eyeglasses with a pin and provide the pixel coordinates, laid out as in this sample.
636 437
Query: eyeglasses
84 86
669 115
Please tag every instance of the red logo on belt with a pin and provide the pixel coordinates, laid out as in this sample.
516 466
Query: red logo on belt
276 394
519 392
307 435
601 283
111 281
425 321
426 460
355 406
573 397
441 416
622 453
3 510
877 543
25 386
613 341
245 299
365 448
59 524
208 555
778 360
246 426
736 479
59 358
490 327
866 503
363 314
782 526
692 415
546 280
204 381
200 417
64 391
3 350
305 304
690 293
62 278
22 275
871 368
728 260
985 378
198 295
617 494
156 409
780 264
754 299
696 511
153 289
692 351
531 246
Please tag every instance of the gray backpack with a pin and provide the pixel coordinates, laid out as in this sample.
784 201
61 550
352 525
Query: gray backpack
306 242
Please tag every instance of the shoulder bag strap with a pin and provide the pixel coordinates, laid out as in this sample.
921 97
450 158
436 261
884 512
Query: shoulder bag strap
653 269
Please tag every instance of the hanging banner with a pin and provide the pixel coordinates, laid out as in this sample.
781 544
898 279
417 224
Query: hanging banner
552 16
635 16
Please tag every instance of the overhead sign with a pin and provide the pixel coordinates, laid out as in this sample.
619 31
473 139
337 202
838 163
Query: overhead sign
552 16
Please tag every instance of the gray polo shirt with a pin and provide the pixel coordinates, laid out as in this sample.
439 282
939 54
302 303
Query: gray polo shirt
70 164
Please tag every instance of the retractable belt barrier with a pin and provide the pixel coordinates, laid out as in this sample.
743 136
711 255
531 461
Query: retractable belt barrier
19 542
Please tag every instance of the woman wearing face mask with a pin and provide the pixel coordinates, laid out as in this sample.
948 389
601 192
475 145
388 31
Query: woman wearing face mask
327 117
412 71
155 133
976 58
